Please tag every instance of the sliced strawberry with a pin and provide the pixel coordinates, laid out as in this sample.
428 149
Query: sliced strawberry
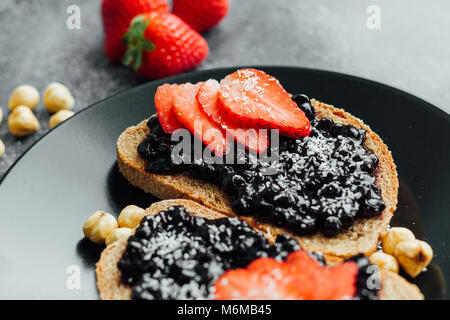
346 273
252 139
265 265
307 275
299 277
189 113
163 104
259 100
253 285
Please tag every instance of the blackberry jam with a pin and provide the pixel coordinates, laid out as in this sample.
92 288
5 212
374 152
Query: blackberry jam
322 183
174 255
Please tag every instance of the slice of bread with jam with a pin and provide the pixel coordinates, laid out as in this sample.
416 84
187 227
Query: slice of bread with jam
361 237
109 276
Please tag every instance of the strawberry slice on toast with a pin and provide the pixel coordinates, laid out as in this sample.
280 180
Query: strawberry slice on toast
242 284
317 282
164 104
257 99
188 112
208 98
299 277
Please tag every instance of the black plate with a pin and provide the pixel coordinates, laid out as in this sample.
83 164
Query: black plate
48 194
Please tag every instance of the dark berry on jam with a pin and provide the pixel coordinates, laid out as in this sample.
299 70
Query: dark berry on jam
300 99
154 125
305 105
159 166
325 124
372 206
351 132
332 226
330 190
368 280
337 129
321 184
174 255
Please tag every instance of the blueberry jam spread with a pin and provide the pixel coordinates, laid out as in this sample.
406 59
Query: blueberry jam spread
174 255
322 183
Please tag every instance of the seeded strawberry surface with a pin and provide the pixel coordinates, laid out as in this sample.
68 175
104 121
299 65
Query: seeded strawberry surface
189 113
258 100
201 15
208 98
164 107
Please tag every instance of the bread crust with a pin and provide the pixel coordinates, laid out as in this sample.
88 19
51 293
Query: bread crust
362 237
110 286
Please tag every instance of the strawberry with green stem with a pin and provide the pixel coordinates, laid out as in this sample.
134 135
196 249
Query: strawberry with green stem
159 44
117 15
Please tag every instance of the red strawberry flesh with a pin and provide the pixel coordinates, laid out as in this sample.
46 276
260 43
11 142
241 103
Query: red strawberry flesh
201 15
260 101
208 98
253 285
299 277
189 113
164 108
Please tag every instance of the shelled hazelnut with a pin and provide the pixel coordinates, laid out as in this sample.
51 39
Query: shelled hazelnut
22 121
24 95
118 234
384 261
131 216
413 256
59 117
393 236
99 226
58 97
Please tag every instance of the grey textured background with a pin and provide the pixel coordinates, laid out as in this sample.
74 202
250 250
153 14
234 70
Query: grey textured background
411 51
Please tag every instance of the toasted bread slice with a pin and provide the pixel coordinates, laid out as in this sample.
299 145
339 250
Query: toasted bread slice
110 286
362 237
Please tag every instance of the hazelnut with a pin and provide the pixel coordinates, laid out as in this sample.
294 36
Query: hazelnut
384 261
118 234
2 148
24 95
59 117
131 216
392 237
22 121
58 97
98 226
413 256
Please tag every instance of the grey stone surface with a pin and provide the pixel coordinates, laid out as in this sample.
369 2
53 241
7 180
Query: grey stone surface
411 51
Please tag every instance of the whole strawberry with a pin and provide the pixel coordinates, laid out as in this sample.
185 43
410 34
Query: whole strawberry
159 44
116 15
201 15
